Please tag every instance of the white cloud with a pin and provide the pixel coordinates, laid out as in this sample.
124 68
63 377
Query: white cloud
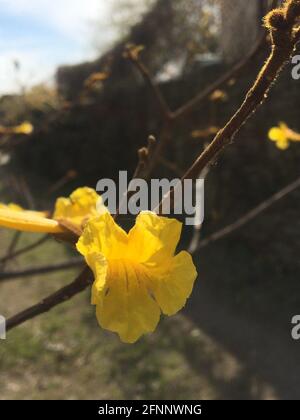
69 17
71 22
33 70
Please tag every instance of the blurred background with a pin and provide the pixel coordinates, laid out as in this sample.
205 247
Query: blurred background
63 70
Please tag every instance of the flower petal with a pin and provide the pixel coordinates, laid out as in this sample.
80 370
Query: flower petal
11 206
277 134
153 238
99 266
24 128
16 207
102 235
28 221
172 287
82 205
127 307
282 144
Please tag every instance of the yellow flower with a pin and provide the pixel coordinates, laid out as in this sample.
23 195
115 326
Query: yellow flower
133 51
14 217
16 207
82 204
11 206
218 95
70 213
137 275
24 128
282 135
95 78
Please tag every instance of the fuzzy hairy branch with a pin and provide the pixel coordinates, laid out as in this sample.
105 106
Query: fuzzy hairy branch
170 117
284 39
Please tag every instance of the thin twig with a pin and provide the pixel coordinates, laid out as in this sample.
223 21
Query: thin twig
14 242
230 74
201 96
69 176
62 295
189 106
169 117
163 106
283 44
44 269
249 215
165 138
26 249
145 156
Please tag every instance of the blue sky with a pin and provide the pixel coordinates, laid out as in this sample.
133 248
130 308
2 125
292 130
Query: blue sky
41 34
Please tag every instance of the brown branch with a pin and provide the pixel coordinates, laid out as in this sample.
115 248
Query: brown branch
69 176
14 242
201 96
230 74
254 99
163 106
170 117
284 40
62 295
145 157
165 138
45 269
250 215
25 249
